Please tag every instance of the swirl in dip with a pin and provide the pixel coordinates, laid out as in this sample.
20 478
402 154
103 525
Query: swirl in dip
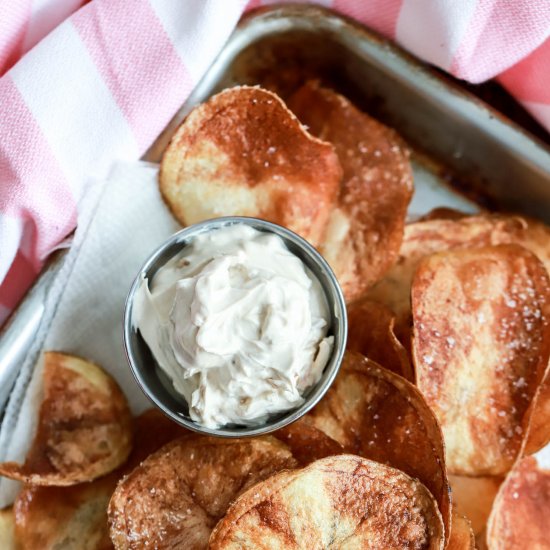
238 323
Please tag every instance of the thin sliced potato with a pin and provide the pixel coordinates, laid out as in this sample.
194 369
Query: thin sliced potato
244 153
437 234
7 530
519 518
371 334
365 230
377 414
481 347
337 502
76 517
307 443
153 430
84 426
176 496
49 518
473 497
462 535
535 236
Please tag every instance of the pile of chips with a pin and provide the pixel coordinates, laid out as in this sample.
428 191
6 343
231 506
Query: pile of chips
434 433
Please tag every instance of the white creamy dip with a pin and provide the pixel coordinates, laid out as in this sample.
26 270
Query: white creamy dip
239 325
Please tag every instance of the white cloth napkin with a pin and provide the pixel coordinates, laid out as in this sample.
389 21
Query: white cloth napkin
124 224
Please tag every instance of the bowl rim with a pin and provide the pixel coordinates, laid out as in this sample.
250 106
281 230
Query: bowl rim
337 308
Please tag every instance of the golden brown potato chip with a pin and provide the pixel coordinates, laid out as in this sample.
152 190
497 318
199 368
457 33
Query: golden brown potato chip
371 334
307 443
481 346
519 518
537 239
337 502
7 535
473 497
244 153
84 426
376 414
176 496
366 228
437 235
76 517
48 518
462 536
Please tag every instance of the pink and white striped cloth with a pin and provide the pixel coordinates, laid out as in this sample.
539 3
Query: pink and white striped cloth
87 83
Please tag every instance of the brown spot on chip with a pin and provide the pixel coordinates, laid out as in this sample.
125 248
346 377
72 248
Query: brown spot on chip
480 348
437 234
307 443
176 496
84 425
519 518
443 213
244 153
371 334
377 414
366 228
337 502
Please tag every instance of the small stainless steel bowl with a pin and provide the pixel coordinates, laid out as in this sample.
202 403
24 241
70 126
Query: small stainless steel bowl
158 387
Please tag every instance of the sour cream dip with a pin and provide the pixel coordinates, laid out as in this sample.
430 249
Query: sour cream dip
238 323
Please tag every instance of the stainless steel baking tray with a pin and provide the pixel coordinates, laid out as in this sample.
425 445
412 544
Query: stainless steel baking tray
457 140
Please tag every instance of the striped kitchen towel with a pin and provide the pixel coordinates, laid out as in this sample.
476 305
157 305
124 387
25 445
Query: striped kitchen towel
85 84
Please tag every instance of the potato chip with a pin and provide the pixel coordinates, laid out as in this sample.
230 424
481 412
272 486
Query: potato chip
376 414
371 333
366 229
473 497
84 426
535 236
153 430
176 496
481 346
7 535
438 234
64 517
76 516
519 518
537 239
244 153
337 502
462 536
307 443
